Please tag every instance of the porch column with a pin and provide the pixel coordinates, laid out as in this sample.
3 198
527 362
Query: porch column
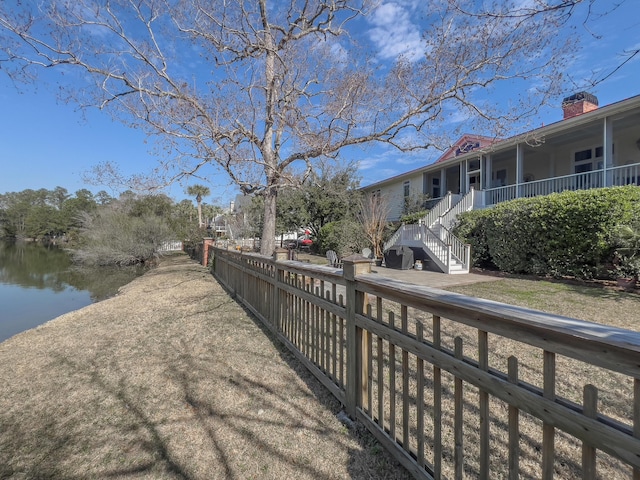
607 154
486 184
519 163
443 182
463 178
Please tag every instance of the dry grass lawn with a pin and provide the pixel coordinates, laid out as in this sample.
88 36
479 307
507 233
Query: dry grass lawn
170 379
606 306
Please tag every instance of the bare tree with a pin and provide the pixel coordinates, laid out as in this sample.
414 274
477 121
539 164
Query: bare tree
261 89
373 214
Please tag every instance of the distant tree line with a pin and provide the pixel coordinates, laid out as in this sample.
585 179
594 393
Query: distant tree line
101 229
43 214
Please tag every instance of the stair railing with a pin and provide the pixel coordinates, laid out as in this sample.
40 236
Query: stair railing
394 239
461 251
440 249
437 211
464 205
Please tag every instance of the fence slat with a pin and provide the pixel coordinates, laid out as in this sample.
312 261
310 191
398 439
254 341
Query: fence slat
392 381
365 372
342 346
437 403
548 431
636 419
458 454
483 363
380 348
514 425
420 399
336 332
590 401
369 377
405 381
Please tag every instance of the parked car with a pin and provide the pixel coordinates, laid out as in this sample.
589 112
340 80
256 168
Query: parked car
302 241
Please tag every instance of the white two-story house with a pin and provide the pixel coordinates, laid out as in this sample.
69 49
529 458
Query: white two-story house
590 147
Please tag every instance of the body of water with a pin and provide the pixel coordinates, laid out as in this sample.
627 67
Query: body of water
39 283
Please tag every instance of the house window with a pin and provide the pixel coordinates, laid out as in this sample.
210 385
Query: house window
405 188
501 178
474 165
588 159
582 155
436 187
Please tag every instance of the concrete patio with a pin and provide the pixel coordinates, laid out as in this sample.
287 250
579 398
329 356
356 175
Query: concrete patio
431 279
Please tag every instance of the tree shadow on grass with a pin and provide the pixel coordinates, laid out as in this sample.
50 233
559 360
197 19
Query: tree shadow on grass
191 428
370 459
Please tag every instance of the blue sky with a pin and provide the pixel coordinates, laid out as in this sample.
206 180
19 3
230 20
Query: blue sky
45 143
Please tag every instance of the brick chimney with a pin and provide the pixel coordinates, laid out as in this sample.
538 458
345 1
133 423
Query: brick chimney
579 103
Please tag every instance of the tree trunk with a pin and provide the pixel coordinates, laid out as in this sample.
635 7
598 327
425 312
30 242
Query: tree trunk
199 202
268 240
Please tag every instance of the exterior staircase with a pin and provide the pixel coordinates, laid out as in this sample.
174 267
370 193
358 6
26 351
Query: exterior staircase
433 234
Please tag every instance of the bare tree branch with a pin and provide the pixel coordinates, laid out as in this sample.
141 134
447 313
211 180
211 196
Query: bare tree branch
261 90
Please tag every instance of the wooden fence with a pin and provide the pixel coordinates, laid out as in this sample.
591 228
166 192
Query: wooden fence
454 386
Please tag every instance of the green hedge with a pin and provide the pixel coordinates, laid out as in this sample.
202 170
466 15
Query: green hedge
569 233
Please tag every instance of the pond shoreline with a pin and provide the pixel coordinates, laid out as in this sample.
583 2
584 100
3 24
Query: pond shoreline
39 283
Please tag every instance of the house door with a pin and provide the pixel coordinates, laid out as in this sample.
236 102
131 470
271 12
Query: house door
474 181
474 172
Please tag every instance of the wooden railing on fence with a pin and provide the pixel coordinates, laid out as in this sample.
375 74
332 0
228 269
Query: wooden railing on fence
454 386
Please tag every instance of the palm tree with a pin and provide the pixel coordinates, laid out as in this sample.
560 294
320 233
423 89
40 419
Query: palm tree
199 191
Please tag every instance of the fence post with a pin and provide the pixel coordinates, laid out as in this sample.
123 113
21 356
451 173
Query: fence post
353 266
207 243
279 254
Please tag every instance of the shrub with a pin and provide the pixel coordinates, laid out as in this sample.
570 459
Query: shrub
471 228
570 233
113 236
626 239
411 218
343 236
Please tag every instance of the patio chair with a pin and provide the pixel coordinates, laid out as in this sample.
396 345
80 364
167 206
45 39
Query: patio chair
332 259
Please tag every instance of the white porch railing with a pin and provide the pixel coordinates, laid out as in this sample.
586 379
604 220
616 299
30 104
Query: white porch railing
625 175
616 176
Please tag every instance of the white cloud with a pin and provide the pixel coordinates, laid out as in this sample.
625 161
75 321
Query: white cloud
383 162
339 53
394 33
